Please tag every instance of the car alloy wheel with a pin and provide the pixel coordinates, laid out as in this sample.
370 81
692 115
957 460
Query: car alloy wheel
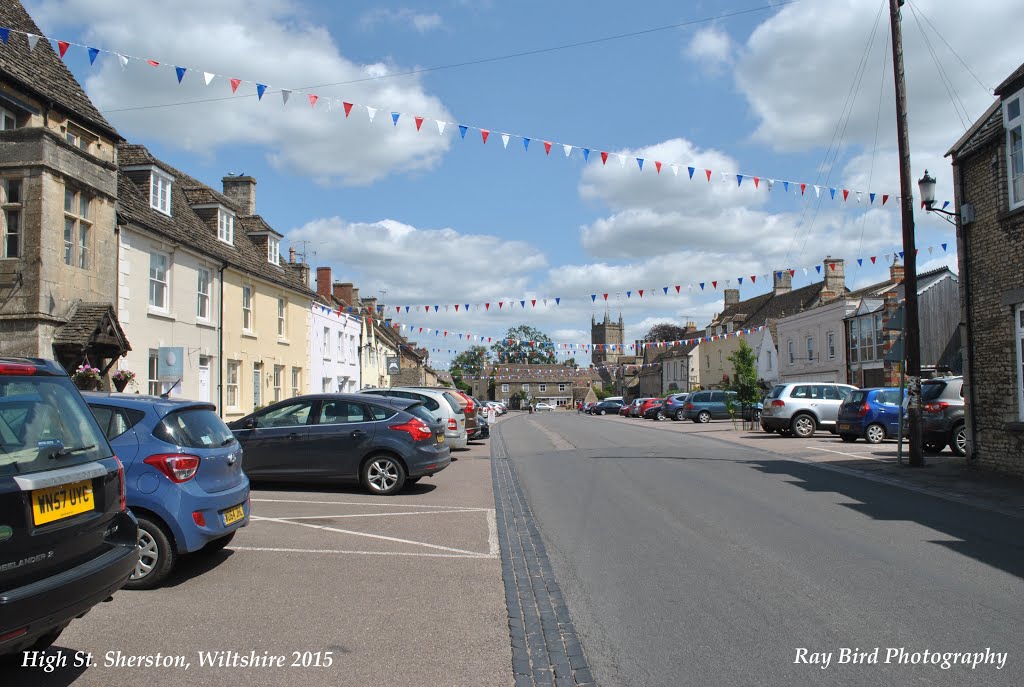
383 475
803 426
156 556
959 443
679 415
601 412
874 434
704 417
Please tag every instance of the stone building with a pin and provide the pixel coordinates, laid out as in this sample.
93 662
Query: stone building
988 182
58 191
607 338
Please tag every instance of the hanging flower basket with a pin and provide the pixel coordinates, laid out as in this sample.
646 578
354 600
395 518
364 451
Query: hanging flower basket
86 377
122 378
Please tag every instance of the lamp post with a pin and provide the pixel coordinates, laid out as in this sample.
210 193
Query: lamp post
927 186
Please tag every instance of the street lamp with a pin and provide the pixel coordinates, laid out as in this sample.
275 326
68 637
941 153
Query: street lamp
927 186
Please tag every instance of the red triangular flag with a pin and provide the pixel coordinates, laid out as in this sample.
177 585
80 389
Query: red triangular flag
547 147
641 292
153 63
604 157
885 197
426 308
63 46
756 181
484 133
846 194
792 273
456 307
534 302
487 306
832 266
313 99
677 288
606 296
419 121
708 172
348 109
714 284
753 279
872 259
234 84
657 166
803 187
500 304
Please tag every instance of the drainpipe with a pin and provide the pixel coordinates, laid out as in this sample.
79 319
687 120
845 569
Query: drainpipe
965 279
220 345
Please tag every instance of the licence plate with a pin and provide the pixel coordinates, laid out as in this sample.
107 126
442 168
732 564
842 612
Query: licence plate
63 501
440 438
233 514
845 427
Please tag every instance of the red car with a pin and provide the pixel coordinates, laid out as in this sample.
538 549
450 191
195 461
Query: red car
624 411
650 409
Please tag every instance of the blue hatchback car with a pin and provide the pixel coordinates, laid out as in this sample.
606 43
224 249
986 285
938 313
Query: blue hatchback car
183 476
870 413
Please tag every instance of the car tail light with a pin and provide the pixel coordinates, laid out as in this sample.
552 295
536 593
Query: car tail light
17 369
177 467
689 406
14 634
863 409
120 479
417 429
778 404
453 423
198 518
935 406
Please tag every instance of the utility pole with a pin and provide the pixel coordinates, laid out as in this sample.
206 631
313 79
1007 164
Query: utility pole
912 326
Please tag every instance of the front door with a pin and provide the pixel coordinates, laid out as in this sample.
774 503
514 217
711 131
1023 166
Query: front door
204 378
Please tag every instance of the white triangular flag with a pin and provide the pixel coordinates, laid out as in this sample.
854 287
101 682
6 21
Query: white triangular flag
675 170
32 40
372 111
725 177
769 183
285 93
622 160
123 60
859 195
930 249
440 127
208 77
817 191
567 148
504 139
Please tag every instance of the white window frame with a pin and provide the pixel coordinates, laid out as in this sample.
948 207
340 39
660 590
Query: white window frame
231 383
1018 321
257 385
8 117
769 359
273 251
278 382
1015 124
504 388
341 347
203 278
164 305
561 388
810 348
542 388
830 339
282 317
247 315
152 373
327 343
160 191
77 228
526 387
792 351
296 381
225 226
11 214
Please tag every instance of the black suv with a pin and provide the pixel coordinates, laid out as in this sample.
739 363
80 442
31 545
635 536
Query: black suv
67 541
942 415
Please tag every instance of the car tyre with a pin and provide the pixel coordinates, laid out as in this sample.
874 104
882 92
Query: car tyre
156 556
803 426
383 475
218 544
601 412
848 438
704 417
874 433
679 415
958 444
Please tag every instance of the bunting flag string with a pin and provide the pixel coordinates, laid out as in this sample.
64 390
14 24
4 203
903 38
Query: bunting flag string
181 72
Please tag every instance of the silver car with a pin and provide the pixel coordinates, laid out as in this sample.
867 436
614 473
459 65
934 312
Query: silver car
801 408
437 404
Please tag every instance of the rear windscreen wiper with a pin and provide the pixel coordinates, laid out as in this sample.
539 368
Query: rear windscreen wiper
70 451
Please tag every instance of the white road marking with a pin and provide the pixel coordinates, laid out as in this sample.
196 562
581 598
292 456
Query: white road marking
854 455
364 553
367 503
381 515
492 532
365 534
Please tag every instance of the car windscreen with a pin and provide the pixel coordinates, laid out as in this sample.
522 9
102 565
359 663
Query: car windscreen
456 402
194 428
931 390
776 392
422 413
45 424
855 397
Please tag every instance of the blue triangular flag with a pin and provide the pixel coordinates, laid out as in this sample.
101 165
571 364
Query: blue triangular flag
690 170
944 248
702 286
665 289
901 255
522 303
4 33
436 307
872 197
407 308
640 161
181 73
586 154
778 275
93 52
628 293
558 300
396 115
739 179
740 280
526 144
467 306
260 90
785 186
945 204
860 262
833 192
593 297
818 267
462 130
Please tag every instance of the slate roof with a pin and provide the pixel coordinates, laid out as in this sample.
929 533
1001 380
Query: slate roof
42 72
988 127
1009 83
83 320
184 225
558 374
756 311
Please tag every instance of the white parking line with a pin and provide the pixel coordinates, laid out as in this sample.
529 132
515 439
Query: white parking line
382 515
420 554
492 533
854 455
365 534
367 503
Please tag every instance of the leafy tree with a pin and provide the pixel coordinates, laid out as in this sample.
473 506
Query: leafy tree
571 362
748 391
666 331
469 363
541 352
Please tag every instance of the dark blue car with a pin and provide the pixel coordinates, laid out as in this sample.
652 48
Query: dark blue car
183 476
870 413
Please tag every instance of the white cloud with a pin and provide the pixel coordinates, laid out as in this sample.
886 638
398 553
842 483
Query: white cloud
711 47
265 42
403 16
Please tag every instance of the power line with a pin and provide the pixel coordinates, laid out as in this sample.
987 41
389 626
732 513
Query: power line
988 89
485 60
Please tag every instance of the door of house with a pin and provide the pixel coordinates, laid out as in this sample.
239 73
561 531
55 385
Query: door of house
204 378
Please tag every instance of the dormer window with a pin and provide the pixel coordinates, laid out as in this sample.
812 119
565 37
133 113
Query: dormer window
160 192
225 226
8 120
1013 122
273 251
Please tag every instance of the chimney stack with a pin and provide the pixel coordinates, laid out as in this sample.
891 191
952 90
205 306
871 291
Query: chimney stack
732 297
783 282
323 281
835 277
895 271
343 292
242 192
291 254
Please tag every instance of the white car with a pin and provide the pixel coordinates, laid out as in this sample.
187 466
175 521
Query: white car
543 406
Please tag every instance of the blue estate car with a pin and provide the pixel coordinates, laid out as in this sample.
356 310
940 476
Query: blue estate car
705 406
870 413
183 476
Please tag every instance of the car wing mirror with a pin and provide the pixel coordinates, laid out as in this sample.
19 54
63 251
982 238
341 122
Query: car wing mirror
249 423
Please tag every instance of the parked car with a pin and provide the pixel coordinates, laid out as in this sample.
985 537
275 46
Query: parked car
650 409
184 478
543 406
801 408
67 538
483 430
870 413
942 415
465 402
634 406
589 406
606 406
443 405
705 406
624 410
380 442
499 408
674 406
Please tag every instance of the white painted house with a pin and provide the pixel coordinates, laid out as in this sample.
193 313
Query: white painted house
334 351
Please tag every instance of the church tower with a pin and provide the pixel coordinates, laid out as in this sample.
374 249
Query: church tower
606 332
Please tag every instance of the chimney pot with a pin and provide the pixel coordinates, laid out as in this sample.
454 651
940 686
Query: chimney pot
343 292
896 271
783 282
323 280
242 191
291 254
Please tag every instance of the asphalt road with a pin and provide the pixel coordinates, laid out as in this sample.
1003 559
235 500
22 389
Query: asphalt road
685 560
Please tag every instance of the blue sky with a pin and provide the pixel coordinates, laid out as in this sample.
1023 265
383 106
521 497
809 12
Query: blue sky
431 219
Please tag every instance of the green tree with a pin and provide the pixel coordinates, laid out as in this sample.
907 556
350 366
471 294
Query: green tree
744 361
539 350
469 363
666 331
571 362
